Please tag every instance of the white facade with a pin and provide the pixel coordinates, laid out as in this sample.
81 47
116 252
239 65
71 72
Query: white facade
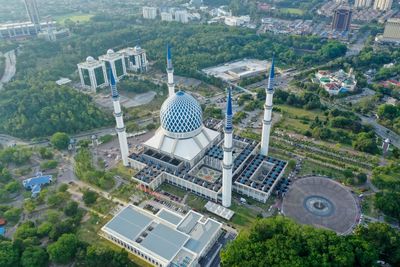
135 59
166 16
383 5
362 3
392 29
181 16
116 62
92 74
149 12
227 167
267 121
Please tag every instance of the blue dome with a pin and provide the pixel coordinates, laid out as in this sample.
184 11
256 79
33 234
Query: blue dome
181 113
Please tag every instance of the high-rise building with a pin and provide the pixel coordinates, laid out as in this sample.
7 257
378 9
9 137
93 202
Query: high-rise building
33 13
166 16
362 3
392 30
115 62
181 16
342 19
227 163
92 74
149 12
266 129
120 128
135 59
383 5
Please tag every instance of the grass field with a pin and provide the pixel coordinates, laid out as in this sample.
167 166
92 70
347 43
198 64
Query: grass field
173 190
310 168
295 11
75 17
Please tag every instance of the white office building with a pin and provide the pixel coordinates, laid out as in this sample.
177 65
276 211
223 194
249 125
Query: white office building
135 59
362 3
166 16
383 5
149 12
115 62
92 74
181 16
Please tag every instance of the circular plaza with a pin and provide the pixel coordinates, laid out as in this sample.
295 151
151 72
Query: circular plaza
321 202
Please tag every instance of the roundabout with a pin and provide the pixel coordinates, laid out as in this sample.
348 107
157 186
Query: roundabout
321 202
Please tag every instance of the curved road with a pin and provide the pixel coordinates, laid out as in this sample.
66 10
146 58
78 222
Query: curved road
10 67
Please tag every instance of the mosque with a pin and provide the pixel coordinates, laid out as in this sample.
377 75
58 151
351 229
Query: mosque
204 158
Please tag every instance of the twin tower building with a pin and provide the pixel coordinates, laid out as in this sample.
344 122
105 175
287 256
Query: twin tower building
182 145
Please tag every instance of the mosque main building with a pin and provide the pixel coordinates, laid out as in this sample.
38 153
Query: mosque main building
204 158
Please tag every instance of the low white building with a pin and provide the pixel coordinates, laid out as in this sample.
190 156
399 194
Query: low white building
92 74
166 16
182 16
163 239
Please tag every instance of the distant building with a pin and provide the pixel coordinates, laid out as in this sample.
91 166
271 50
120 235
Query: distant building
383 5
93 74
35 184
392 30
149 12
115 62
196 3
135 59
22 30
362 3
33 13
181 16
63 81
166 16
336 82
52 34
163 239
236 21
342 19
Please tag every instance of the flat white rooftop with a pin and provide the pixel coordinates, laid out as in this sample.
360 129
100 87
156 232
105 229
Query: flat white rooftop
167 234
233 71
219 210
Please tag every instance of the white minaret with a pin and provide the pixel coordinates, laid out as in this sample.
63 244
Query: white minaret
266 130
123 142
170 72
227 164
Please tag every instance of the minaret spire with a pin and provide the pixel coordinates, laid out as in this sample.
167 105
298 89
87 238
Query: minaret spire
266 130
120 128
227 165
170 72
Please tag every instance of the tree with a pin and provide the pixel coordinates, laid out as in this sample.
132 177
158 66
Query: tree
12 215
71 209
9 256
100 256
34 257
365 142
388 203
60 140
89 197
279 241
64 249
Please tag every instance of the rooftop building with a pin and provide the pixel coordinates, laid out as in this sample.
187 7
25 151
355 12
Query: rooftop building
135 59
35 184
342 19
114 62
336 82
163 239
383 5
392 30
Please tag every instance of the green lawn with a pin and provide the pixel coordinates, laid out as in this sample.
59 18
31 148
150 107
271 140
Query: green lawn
103 205
310 167
195 202
125 191
75 17
368 207
295 11
173 190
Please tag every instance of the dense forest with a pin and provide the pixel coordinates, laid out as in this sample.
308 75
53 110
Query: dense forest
281 242
42 109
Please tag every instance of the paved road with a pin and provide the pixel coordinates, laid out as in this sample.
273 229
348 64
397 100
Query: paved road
10 67
382 131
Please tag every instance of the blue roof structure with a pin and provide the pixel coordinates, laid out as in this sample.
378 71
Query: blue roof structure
114 91
271 75
181 113
169 58
2 231
35 183
229 113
